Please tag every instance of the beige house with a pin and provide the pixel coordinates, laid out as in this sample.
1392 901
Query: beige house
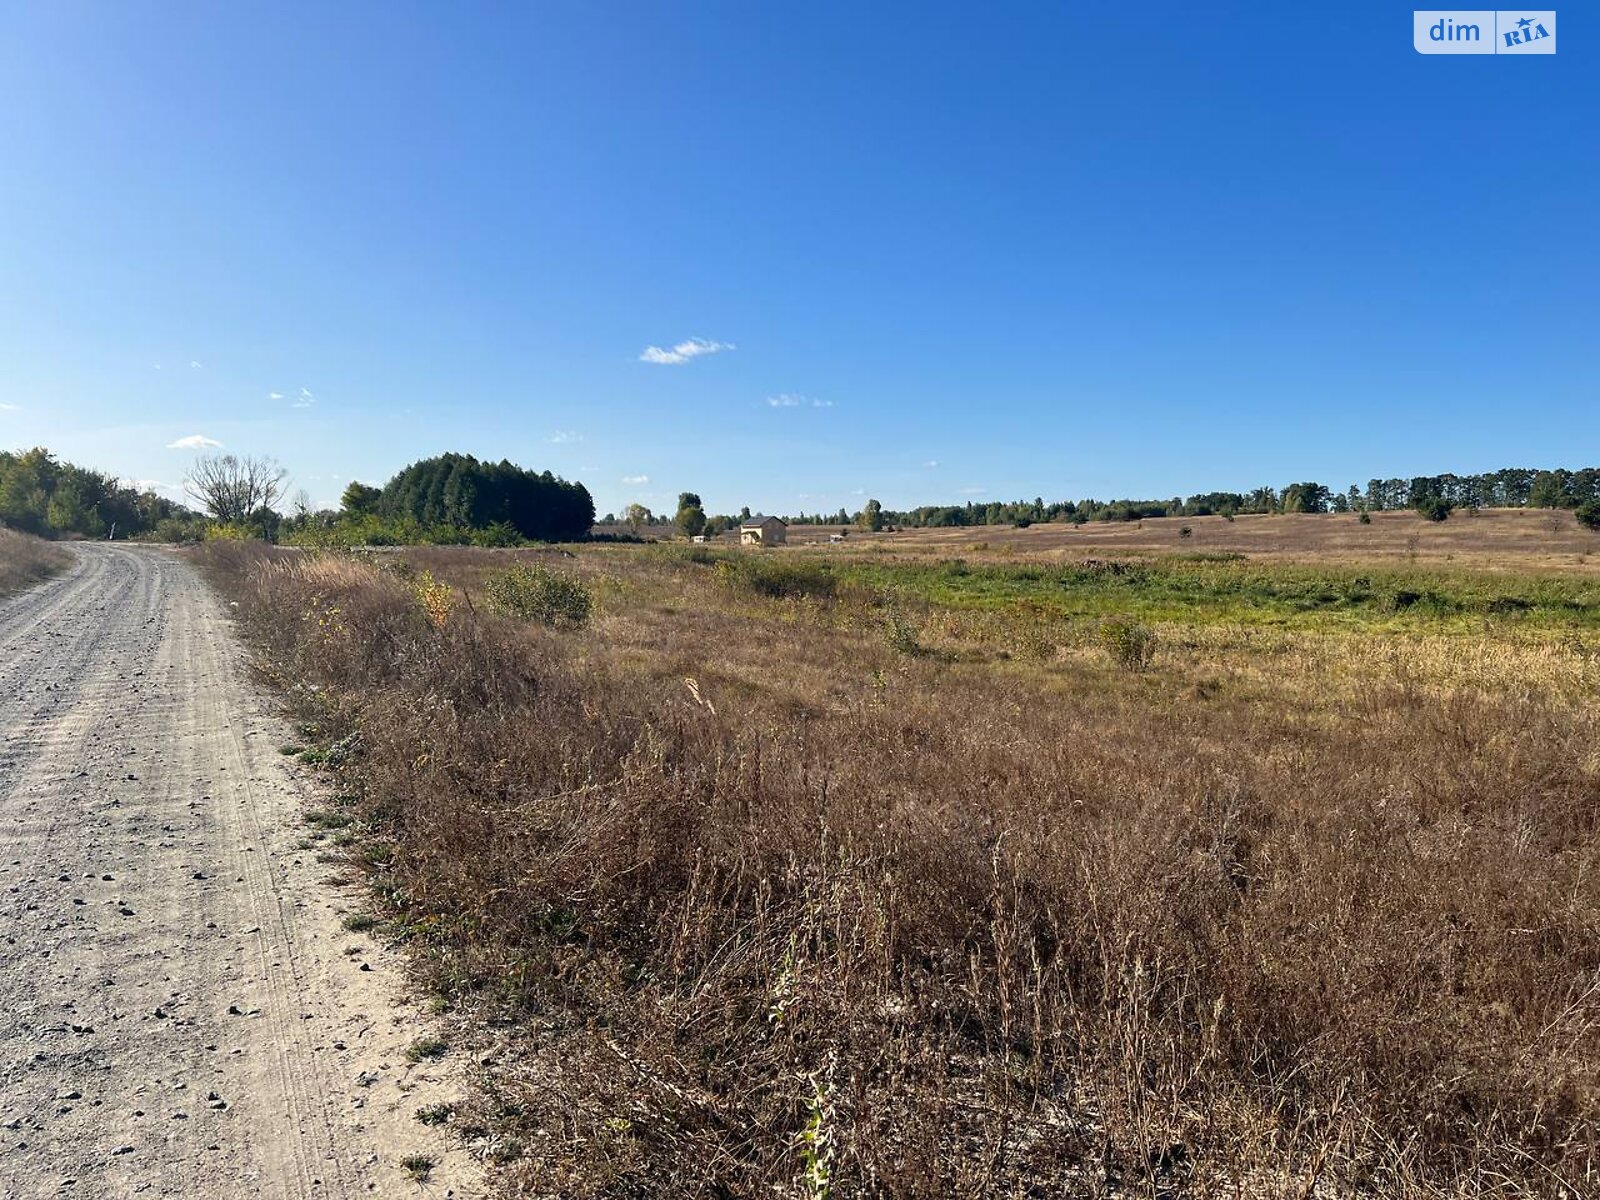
762 531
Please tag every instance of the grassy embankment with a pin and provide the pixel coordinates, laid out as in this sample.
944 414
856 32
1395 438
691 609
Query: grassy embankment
26 560
909 878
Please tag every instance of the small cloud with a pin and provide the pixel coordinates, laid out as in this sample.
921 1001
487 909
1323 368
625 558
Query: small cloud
306 400
822 404
683 351
635 479
973 491
931 463
195 366
158 366
9 408
274 395
195 441
786 401
564 437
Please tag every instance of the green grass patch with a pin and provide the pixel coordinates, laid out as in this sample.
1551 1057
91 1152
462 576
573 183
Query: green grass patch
1221 588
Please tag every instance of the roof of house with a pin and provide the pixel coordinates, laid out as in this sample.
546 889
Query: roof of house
757 521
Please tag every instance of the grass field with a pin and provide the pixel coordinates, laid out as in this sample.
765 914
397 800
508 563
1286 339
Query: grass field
1490 539
1080 865
25 560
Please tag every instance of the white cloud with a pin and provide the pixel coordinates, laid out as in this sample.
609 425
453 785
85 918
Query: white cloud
683 351
195 441
822 404
171 491
306 400
973 491
274 395
635 479
931 463
158 366
794 400
196 366
564 437
10 408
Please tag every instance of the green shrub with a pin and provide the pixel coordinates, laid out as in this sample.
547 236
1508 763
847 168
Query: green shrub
1588 514
778 578
1435 508
533 593
901 633
1365 518
1131 645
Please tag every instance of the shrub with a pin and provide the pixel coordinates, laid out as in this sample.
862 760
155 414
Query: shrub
1588 514
779 579
1131 645
1365 518
1185 532
1435 508
901 633
436 597
530 592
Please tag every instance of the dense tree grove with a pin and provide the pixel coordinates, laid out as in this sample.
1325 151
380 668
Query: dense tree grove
457 490
42 495
1512 487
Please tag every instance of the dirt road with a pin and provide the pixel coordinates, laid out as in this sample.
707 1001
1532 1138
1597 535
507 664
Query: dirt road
181 1011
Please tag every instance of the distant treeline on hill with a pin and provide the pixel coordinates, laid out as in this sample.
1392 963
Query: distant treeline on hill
1512 487
42 495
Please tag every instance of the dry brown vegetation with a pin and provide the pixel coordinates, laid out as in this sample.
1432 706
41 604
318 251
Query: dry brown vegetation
845 893
1503 538
25 560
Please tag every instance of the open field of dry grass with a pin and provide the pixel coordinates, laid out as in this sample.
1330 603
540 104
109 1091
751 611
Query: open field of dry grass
1491 539
881 875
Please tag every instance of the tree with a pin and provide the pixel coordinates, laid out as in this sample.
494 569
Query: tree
637 516
1434 508
234 489
691 521
691 515
1588 514
360 499
871 517
458 490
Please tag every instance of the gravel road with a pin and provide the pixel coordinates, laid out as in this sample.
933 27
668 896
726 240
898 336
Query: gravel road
181 1011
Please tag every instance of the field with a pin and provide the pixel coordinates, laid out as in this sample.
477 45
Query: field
988 862
1492 539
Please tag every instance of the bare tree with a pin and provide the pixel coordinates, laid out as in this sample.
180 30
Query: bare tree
234 489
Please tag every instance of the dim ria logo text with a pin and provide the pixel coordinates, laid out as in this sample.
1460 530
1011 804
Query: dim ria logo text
1484 31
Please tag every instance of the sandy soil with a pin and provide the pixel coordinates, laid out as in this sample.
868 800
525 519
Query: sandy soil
180 1014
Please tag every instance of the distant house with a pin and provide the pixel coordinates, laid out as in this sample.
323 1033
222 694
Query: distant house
836 537
762 531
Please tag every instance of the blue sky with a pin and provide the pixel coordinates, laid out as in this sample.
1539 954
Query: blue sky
950 251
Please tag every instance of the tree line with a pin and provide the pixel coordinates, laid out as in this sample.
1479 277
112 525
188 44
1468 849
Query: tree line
1510 487
42 495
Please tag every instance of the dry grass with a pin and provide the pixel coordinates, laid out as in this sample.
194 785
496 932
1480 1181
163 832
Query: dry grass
777 901
25 560
1506 539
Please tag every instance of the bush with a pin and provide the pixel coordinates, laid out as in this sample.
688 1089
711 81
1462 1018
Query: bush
1365 518
1435 508
1131 645
533 593
1588 514
779 579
